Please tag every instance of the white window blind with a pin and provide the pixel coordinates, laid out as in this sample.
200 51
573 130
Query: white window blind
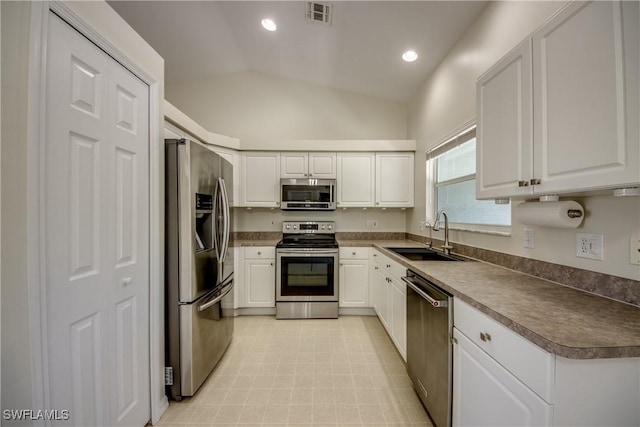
452 167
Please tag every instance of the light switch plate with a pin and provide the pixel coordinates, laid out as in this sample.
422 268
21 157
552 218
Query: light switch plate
528 238
634 250
590 246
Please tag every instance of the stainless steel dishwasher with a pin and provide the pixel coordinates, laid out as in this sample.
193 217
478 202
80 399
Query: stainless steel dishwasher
429 361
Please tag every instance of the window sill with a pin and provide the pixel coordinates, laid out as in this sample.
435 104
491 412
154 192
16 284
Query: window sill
492 231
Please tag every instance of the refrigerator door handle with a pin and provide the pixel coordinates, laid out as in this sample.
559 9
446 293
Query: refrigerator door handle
226 215
217 299
216 239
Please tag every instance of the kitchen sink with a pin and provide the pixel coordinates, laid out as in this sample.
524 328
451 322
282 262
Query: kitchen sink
424 254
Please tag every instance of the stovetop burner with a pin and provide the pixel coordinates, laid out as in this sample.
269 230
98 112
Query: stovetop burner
309 234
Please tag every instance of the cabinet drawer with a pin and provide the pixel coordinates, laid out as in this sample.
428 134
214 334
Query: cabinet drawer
394 268
528 362
354 253
260 252
388 265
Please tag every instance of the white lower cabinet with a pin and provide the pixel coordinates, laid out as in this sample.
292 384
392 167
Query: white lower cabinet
259 277
391 298
354 277
502 379
399 314
486 394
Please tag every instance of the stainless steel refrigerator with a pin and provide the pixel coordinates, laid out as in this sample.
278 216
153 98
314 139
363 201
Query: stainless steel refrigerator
198 264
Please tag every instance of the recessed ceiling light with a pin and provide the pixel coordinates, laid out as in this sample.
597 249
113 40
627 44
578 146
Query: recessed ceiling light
269 25
410 56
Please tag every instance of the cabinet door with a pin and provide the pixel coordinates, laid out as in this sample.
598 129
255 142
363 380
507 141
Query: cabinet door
322 165
486 394
261 179
294 165
354 286
260 283
233 157
374 290
504 133
384 292
394 180
399 314
585 71
356 179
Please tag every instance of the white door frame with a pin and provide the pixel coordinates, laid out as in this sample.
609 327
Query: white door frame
35 198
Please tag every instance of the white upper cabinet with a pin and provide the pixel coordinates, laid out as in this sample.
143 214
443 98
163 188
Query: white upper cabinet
308 165
261 179
584 80
585 69
505 126
394 180
356 180
383 180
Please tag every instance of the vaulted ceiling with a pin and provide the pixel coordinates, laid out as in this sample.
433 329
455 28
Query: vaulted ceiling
360 51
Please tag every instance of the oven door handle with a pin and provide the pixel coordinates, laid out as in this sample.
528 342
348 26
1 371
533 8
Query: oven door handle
307 252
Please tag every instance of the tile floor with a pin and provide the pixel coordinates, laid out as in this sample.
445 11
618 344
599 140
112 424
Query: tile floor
343 372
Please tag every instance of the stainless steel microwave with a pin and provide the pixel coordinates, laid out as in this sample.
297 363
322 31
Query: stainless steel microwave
307 194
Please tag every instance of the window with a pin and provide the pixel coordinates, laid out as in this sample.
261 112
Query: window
451 167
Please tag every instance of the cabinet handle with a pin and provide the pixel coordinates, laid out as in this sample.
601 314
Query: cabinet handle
341 264
485 337
375 268
535 181
523 184
353 253
259 253
388 265
270 263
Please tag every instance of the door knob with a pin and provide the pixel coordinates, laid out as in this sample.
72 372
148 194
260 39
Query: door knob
126 281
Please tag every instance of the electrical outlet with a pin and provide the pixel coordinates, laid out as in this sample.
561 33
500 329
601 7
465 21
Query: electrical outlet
372 223
634 250
528 238
590 246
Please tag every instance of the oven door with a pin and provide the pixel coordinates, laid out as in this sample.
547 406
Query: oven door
307 275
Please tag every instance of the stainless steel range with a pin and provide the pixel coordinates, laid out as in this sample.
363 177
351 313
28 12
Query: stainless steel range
307 271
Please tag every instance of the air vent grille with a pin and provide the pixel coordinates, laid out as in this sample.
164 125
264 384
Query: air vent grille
319 12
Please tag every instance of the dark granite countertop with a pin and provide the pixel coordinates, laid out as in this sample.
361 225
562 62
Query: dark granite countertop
562 320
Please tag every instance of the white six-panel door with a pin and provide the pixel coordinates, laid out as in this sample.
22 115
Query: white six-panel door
96 180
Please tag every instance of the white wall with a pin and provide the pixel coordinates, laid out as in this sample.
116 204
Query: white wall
258 108
447 100
16 362
389 220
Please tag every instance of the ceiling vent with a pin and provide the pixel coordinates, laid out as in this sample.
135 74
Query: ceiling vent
319 12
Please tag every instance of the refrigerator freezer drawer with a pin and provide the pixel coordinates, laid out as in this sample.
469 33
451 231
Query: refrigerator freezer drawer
206 329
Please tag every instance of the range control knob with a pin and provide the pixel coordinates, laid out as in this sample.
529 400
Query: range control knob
324 227
329 227
287 226
295 227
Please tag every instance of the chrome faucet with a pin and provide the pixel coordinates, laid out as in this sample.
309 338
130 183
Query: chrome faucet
446 247
428 225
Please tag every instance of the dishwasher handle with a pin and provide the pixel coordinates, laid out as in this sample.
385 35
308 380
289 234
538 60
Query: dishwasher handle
434 302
